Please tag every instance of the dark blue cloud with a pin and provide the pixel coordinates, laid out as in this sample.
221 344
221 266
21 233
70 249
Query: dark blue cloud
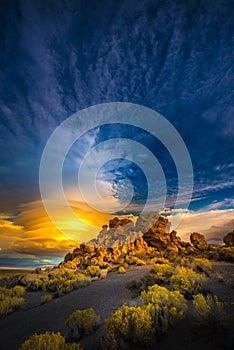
59 57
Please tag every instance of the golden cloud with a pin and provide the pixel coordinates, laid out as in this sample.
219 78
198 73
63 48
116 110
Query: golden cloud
214 224
33 233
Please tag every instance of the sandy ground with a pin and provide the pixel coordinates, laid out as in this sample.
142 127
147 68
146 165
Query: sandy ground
103 295
107 295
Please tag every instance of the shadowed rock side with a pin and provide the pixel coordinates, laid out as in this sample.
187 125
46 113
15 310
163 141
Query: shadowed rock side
229 239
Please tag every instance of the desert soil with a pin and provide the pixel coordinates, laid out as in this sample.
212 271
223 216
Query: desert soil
107 295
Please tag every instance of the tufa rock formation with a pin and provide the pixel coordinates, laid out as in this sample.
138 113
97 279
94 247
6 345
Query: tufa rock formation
149 237
198 241
229 239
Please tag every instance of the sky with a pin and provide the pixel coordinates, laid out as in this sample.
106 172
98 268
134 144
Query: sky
58 58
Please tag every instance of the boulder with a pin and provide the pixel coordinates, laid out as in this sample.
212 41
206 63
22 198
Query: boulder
116 222
198 241
229 239
158 235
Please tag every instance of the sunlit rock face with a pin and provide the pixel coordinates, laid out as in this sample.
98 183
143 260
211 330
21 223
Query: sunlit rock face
198 241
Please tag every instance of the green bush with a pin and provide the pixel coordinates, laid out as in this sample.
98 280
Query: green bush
188 282
46 298
128 325
164 306
81 322
92 271
48 341
209 311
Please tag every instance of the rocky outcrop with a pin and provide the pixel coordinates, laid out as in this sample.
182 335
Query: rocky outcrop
121 239
229 239
116 222
198 241
158 235
146 221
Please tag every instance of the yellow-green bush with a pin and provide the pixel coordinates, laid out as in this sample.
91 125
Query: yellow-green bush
65 282
103 273
160 274
48 341
135 286
92 271
129 325
159 261
208 310
163 271
183 261
10 304
121 269
46 298
164 306
18 291
227 254
81 322
135 261
35 285
201 265
188 282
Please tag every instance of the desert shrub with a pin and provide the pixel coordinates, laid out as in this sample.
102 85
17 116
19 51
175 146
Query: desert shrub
183 261
160 274
135 287
159 261
188 282
227 254
80 280
164 306
18 291
163 271
125 265
103 273
48 341
121 269
135 261
5 292
92 271
208 310
46 298
10 304
81 322
128 325
202 265
62 283
70 265
35 285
